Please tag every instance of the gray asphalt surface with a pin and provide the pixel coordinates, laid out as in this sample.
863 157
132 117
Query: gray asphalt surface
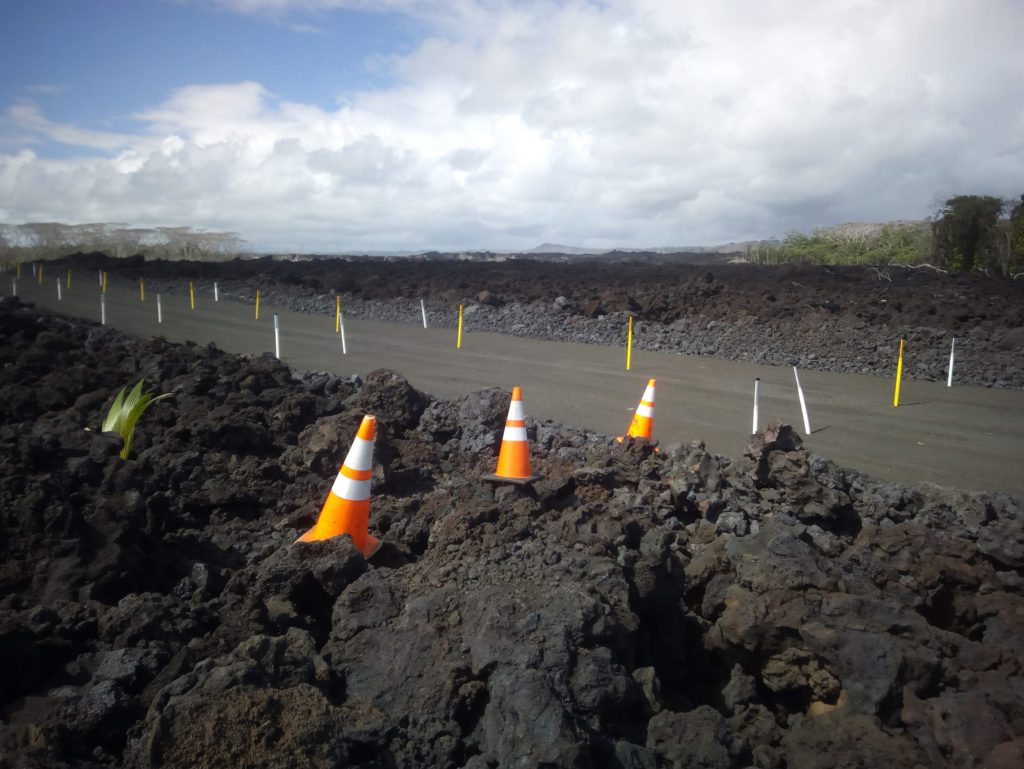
966 437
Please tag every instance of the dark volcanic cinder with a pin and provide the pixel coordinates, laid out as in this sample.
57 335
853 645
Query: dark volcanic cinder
634 609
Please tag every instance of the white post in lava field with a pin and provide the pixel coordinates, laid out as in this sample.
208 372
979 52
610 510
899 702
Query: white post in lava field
952 357
757 395
803 403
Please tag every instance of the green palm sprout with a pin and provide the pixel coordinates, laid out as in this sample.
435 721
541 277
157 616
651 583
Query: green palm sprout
125 412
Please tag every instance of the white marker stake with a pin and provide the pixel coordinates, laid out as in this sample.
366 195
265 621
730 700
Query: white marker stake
216 296
341 327
101 277
423 309
59 296
103 309
803 403
277 338
14 286
757 397
159 310
952 357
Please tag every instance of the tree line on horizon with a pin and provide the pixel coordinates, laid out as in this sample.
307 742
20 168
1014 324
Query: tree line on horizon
34 241
967 232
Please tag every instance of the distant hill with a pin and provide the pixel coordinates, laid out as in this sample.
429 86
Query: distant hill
552 252
557 248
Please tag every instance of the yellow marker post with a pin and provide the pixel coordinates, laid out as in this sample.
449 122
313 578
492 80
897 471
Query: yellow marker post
142 290
104 289
69 277
40 273
191 295
257 304
458 340
17 270
337 314
629 344
899 375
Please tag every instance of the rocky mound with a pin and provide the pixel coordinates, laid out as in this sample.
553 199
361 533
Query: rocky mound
847 319
634 609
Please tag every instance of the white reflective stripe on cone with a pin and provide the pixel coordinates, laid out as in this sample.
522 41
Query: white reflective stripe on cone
515 410
514 434
648 394
353 491
644 411
360 456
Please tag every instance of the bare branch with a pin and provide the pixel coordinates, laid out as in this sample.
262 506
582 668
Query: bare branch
918 267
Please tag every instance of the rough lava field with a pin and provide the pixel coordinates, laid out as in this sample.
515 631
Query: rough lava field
634 609
845 319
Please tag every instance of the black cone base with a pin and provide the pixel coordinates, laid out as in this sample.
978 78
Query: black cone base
492 478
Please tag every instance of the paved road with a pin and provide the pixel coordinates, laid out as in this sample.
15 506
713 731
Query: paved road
967 437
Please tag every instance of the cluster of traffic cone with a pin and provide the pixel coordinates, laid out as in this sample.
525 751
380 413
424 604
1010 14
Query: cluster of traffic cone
347 509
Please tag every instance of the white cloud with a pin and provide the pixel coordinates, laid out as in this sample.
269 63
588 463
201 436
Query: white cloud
27 117
643 122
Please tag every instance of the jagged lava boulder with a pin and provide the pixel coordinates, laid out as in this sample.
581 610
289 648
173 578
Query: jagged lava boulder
634 608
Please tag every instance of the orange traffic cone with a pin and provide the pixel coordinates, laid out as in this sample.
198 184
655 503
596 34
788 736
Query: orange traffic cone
642 425
514 457
347 509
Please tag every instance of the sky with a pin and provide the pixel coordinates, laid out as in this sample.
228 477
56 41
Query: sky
375 125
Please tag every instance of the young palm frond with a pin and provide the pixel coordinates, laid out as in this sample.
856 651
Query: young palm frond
125 412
